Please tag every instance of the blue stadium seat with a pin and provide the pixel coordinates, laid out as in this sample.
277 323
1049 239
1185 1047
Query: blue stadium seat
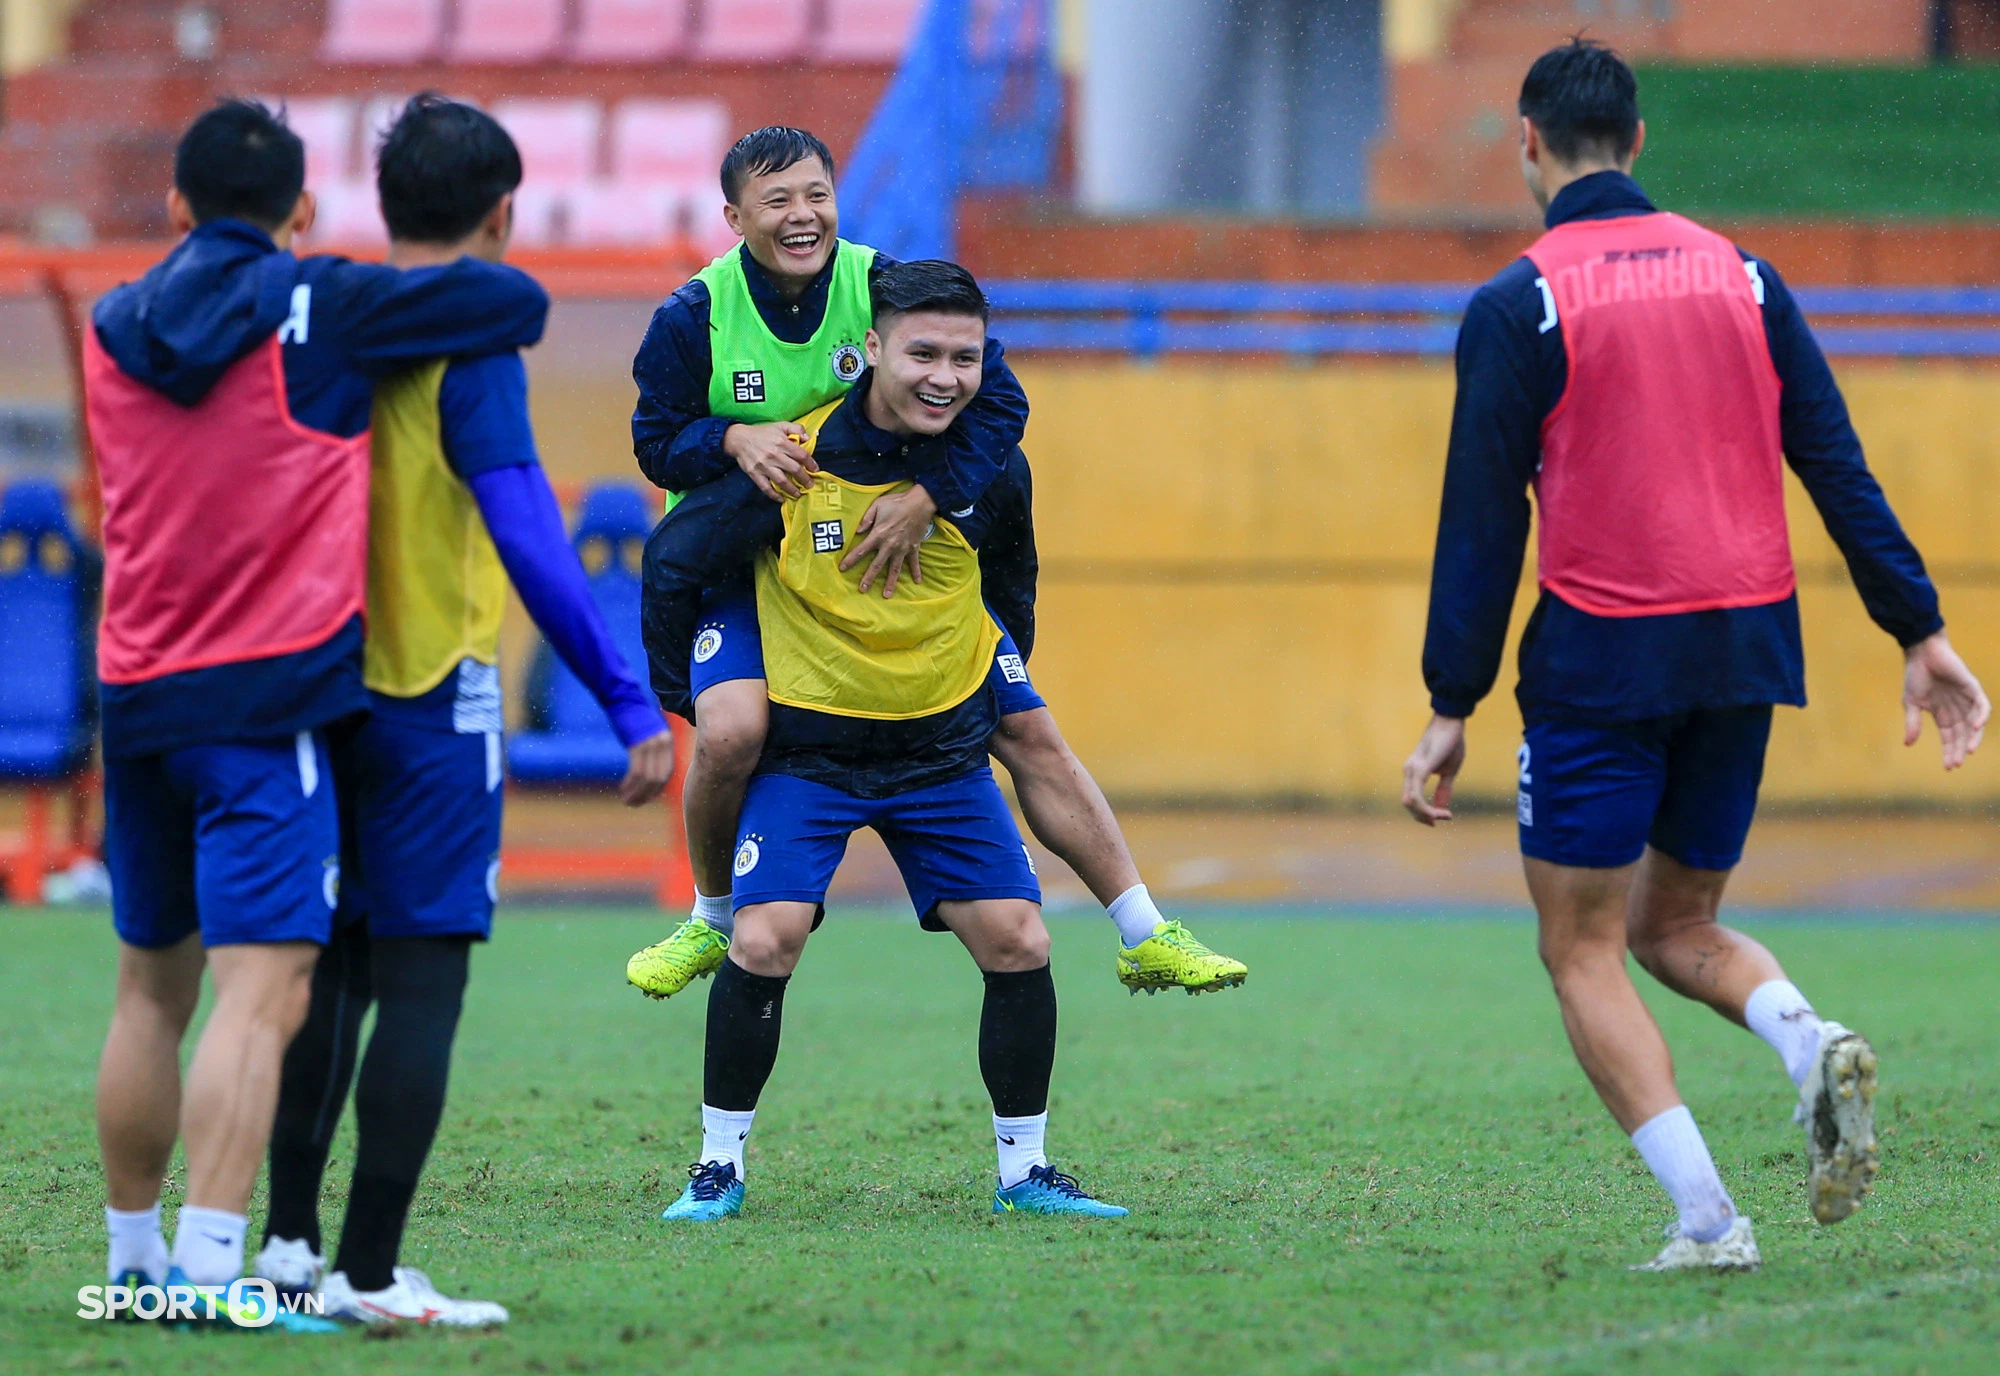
48 589
568 740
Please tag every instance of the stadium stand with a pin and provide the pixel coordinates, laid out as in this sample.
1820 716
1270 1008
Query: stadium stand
48 593
867 30
326 125
567 739
630 30
753 30
383 31
609 214
506 31
670 142
558 138
349 216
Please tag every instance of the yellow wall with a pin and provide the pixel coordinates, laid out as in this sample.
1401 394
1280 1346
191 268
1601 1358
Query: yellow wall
1236 562
1236 559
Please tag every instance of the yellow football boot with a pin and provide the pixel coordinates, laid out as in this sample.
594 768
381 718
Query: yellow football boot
694 951
1172 959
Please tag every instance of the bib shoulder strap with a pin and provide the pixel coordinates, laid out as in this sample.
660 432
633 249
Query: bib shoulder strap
814 420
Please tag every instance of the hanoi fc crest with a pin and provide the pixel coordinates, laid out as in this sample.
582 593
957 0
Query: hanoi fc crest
848 361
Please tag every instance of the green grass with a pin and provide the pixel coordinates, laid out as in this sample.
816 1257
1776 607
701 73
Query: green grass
1864 142
1376 1157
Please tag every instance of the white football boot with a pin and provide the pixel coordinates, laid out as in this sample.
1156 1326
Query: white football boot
1837 1109
289 1264
411 1299
1735 1250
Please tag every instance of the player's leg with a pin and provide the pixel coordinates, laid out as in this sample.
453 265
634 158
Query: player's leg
962 860
732 714
1588 799
149 849
312 1091
425 835
792 836
1068 813
1711 796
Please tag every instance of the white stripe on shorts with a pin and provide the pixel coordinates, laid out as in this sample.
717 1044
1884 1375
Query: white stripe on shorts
308 764
492 760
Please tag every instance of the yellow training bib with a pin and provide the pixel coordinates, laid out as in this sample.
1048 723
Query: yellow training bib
830 647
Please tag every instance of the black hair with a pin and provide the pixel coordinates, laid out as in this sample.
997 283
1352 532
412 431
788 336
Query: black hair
764 151
1585 101
441 168
929 284
238 161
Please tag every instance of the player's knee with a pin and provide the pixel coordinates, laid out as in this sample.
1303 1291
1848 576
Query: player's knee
729 739
764 946
1017 938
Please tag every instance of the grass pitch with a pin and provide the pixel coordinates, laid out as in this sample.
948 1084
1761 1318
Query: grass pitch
1377 1156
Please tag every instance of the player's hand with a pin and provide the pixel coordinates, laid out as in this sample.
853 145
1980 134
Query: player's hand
651 764
1440 752
1935 680
892 531
774 455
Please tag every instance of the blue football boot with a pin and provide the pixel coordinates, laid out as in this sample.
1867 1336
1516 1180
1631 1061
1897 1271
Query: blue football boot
254 1310
132 1278
1048 1191
713 1193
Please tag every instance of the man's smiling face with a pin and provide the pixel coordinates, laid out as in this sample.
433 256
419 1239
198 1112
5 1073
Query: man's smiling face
928 365
788 220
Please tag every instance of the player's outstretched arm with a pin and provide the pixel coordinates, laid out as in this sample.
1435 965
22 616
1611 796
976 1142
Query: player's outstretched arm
1440 753
1936 680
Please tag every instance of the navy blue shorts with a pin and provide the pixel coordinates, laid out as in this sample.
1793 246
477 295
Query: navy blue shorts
421 821
1595 797
728 645
953 842
240 842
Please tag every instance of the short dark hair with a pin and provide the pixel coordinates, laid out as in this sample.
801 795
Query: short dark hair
1584 99
764 151
238 161
441 168
928 284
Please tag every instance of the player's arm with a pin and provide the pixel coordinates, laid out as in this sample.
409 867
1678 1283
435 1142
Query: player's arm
388 318
1503 393
679 445
1822 447
1008 563
483 407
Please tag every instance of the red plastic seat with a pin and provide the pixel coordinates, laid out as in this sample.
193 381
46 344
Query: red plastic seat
630 30
325 124
625 214
557 138
349 218
867 30
753 30
509 31
668 141
383 31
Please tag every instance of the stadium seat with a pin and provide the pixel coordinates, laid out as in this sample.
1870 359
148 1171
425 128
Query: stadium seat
48 589
568 740
624 214
383 31
867 30
350 216
325 124
630 30
506 31
753 30
670 142
557 138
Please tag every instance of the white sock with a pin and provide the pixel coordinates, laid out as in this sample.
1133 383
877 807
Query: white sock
208 1245
723 1132
1020 1143
1779 1013
1135 915
1679 1160
716 912
137 1244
